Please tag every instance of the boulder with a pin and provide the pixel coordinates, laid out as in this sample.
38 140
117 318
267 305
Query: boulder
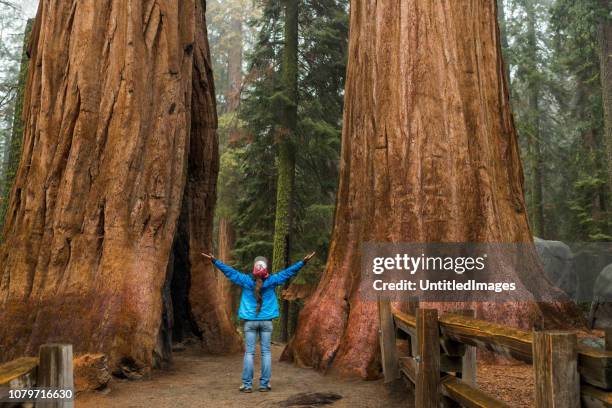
602 289
600 315
558 262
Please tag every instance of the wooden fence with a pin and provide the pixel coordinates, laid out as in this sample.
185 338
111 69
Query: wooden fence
52 369
441 360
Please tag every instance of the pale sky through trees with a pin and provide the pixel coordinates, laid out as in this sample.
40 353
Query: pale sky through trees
29 8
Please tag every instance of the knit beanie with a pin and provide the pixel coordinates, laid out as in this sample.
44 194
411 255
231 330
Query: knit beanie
260 268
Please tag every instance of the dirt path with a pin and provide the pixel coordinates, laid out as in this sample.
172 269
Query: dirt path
213 381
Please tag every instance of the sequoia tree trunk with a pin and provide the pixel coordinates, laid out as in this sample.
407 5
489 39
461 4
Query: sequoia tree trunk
429 154
119 110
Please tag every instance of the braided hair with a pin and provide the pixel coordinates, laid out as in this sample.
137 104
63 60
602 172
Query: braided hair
260 273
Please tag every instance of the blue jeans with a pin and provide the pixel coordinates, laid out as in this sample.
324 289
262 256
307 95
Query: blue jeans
251 329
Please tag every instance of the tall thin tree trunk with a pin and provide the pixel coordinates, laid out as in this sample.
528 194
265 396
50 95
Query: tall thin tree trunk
429 154
503 30
226 244
226 236
119 109
286 154
13 153
536 162
234 62
605 53
592 138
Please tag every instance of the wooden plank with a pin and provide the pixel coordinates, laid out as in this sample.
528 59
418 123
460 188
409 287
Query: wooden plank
428 359
468 363
16 370
592 312
504 340
408 367
555 364
413 305
388 348
55 371
449 364
467 395
405 322
594 365
593 397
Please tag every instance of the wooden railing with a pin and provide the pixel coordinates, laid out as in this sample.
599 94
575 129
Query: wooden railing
52 369
441 360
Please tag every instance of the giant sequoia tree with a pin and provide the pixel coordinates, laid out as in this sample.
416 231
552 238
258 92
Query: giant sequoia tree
119 140
429 154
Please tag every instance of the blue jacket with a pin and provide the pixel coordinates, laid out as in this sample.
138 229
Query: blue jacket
248 302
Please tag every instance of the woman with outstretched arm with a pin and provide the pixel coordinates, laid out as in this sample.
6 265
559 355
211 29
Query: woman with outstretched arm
258 307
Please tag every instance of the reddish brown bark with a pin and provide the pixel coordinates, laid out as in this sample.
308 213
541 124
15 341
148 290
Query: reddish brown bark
119 110
429 154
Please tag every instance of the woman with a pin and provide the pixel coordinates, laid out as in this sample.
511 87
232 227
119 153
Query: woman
258 306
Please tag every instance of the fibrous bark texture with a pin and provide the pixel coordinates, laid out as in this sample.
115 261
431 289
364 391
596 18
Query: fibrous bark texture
429 154
119 133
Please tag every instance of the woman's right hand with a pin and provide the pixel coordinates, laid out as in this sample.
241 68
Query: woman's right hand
210 257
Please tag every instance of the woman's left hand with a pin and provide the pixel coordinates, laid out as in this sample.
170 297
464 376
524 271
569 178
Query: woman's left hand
210 257
309 256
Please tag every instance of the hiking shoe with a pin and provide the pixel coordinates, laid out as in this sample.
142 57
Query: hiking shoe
244 388
265 389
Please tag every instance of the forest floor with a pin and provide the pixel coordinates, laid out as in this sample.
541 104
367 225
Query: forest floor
198 380
514 382
510 383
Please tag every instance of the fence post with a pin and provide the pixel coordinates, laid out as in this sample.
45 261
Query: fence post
428 359
468 361
388 348
555 363
55 371
413 306
608 339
